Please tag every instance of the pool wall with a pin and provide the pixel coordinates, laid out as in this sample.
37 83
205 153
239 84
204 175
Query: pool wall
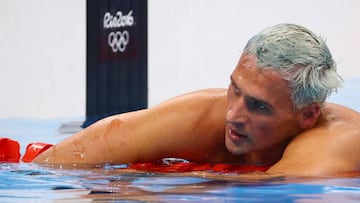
192 45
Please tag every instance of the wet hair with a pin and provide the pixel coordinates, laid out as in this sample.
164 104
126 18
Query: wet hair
301 57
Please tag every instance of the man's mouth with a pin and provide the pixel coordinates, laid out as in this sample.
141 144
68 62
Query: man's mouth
235 136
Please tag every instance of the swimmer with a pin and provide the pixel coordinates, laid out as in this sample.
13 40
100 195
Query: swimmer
273 114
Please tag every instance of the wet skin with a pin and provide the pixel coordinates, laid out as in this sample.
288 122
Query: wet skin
252 122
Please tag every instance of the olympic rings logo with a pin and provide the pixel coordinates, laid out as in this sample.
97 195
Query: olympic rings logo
118 40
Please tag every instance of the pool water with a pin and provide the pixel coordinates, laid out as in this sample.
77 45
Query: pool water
24 182
29 182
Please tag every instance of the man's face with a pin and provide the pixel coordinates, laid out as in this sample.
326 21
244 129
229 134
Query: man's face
260 115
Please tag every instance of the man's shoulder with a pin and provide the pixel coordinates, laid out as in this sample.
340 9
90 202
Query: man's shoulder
340 116
333 107
336 121
330 147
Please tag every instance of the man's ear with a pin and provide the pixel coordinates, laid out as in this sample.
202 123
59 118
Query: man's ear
309 115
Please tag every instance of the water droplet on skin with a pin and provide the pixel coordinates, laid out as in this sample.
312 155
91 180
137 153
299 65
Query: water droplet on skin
78 150
79 154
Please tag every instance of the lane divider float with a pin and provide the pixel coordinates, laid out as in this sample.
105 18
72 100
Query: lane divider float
10 152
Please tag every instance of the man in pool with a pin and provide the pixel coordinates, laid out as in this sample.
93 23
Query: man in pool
272 114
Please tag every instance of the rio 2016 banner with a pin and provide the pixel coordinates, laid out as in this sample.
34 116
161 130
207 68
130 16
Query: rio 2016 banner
118 40
116 57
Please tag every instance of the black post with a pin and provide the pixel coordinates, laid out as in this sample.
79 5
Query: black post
116 57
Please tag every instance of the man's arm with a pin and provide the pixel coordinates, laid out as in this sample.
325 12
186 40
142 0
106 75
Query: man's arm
189 126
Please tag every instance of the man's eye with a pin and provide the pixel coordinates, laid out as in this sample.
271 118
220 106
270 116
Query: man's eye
257 106
260 106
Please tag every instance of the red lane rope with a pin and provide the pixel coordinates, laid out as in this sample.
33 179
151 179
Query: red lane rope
10 152
184 166
33 150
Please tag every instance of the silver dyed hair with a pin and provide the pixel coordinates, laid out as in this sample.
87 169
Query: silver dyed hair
301 57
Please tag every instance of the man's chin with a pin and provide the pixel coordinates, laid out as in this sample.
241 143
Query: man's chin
234 149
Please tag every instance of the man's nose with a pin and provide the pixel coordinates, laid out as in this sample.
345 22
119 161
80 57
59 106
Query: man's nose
237 111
